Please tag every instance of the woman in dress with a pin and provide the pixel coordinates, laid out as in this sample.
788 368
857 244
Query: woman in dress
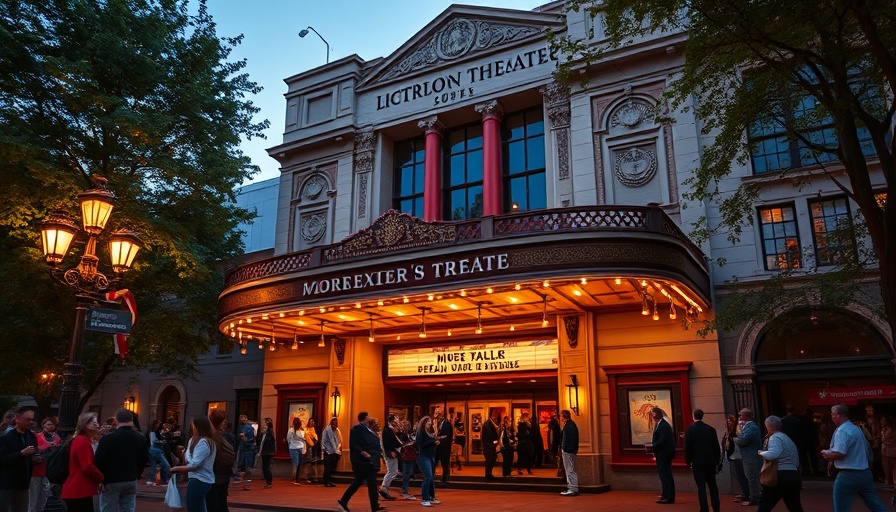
39 490
426 442
312 450
295 440
200 463
267 447
779 447
508 446
157 459
84 478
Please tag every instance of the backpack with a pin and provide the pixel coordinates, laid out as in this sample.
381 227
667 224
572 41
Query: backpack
224 459
57 463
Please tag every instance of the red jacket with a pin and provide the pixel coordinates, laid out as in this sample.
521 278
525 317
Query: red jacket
83 477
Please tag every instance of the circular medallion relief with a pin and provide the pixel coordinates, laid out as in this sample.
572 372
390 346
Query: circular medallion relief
635 167
313 228
455 39
313 187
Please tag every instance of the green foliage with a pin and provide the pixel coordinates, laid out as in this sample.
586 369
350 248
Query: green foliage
140 92
749 61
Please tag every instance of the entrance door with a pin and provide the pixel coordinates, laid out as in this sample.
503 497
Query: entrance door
478 415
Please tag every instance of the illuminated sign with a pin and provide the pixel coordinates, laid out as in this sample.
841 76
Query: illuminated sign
472 359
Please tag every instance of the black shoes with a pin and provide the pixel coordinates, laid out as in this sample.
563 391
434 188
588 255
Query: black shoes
664 501
343 507
385 494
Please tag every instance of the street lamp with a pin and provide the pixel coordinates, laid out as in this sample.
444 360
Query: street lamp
304 33
89 284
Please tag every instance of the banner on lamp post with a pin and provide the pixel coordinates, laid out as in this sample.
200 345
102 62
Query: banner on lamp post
112 321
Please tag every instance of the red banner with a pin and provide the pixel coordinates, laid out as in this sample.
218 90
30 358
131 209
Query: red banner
849 395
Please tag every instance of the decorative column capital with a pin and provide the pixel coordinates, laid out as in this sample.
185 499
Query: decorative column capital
431 124
556 99
490 110
365 139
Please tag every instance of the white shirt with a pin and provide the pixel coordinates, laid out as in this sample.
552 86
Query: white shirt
202 460
295 440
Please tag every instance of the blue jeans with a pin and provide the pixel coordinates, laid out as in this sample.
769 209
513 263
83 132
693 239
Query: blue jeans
427 488
196 491
119 497
296 455
849 483
158 461
407 471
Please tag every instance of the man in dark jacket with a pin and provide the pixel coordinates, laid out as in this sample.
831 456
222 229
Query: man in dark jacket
121 456
445 435
17 447
490 437
365 452
702 453
569 447
664 451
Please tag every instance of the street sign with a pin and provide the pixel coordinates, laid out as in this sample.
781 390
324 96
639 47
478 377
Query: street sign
113 321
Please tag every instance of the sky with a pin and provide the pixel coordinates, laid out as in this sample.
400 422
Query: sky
274 51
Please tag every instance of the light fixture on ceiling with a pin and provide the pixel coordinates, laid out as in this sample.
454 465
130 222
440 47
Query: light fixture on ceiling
672 313
618 281
656 312
479 319
370 335
423 322
645 309
295 340
322 343
544 311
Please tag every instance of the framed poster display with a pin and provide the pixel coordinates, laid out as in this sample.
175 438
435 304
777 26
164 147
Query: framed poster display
477 419
543 413
402 411
634 391
298 401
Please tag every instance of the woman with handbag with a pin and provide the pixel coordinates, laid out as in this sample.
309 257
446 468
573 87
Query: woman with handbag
780 473
199 463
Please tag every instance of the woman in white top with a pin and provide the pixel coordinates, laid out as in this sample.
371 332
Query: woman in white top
779 447
295 438
200 463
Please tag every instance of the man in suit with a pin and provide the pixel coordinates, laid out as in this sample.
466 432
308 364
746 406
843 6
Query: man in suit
365 452
490 437
664 451
445 435
703 454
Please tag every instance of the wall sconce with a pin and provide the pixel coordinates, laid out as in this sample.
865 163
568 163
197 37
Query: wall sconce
130 403
335 395
572 394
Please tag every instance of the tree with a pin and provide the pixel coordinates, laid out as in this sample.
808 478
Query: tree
142 93
795 67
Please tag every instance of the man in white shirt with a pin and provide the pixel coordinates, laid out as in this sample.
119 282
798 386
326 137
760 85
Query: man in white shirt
851 454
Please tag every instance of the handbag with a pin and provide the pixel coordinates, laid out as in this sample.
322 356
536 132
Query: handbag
172 495
768 475
408 453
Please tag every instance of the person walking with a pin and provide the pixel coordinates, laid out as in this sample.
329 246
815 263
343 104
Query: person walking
779 447
225 457
702 454
749 440
524 445
18 446
40 488
365 452
157 459
426 443
267 448
569 447
84 478
331 446
246 456
391 452
199 463
408 458
851 454
663 446
295 441
120 457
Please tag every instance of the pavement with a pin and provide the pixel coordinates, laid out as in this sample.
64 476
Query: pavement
284 496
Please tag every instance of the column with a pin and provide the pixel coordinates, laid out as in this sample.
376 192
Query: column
432 174
492 182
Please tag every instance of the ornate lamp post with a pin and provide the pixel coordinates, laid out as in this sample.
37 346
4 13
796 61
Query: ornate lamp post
89 284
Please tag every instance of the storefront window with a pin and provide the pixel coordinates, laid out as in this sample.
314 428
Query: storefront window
409 172
524 161
463 173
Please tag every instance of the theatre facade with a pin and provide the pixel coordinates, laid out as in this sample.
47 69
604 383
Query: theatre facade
459 234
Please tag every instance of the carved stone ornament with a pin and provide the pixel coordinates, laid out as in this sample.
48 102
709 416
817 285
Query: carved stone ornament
489 109
339 348
572 330
635 167
632 113
393 231
431 124
313 188
365 140
456 39
563 154
314 225
362 194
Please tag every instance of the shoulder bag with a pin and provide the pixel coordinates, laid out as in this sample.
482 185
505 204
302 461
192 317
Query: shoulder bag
768 475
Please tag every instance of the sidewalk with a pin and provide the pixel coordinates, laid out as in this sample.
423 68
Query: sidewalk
284 496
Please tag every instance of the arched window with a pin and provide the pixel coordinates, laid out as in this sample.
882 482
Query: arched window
807 333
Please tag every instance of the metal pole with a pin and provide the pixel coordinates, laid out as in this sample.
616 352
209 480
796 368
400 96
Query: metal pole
70 399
